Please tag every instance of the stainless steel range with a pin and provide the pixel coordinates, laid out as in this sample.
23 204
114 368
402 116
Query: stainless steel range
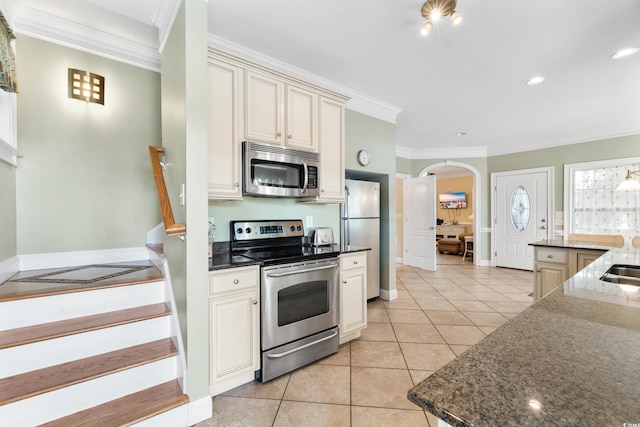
298 293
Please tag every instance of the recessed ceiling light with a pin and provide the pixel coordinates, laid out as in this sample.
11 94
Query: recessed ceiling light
535 80
461 133
625 52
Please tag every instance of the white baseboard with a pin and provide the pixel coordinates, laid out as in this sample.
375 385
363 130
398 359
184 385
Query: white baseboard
389 295
484 263
8 268
73 259
200 410
399 260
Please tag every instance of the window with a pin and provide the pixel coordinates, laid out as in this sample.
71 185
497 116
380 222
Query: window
592 204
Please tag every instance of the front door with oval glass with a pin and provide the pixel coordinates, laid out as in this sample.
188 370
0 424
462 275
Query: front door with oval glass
521 216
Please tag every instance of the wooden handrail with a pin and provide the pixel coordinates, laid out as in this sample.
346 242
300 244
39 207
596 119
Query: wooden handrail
170 226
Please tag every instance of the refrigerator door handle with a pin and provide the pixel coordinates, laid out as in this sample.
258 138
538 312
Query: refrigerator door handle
346 216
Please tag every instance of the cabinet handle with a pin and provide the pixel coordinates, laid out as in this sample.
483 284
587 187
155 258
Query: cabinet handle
549 256
355 262
236 281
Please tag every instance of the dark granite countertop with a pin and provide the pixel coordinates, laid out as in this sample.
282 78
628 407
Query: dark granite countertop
223 258
570 244
571 359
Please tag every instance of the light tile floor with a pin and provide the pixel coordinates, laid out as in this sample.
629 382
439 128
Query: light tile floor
437 316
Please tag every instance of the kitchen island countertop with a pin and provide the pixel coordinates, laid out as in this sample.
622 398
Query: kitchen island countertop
571 359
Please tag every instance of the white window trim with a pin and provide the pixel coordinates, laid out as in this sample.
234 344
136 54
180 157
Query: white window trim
8 149
569 168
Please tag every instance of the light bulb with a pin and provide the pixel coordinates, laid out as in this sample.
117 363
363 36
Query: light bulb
456 18
425 29
436 14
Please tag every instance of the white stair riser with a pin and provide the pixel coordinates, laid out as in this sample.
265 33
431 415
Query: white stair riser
35 311
174 418
29 357
59 403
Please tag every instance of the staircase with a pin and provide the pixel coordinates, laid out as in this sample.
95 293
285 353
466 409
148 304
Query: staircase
89 346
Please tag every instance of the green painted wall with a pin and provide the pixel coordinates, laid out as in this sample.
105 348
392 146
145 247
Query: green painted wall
603 149
8 248
85 181
379 138
184 137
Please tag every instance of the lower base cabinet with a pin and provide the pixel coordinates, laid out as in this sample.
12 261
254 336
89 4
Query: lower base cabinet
234 317
353 295
554 265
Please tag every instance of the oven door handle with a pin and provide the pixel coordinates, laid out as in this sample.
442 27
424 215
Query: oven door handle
286 353
308 270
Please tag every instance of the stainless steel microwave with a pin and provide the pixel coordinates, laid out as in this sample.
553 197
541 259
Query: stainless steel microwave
271 171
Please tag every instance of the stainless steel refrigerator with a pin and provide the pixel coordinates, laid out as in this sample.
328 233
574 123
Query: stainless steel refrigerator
360 226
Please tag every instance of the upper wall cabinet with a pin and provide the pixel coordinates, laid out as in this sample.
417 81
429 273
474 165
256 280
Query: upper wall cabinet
248 101
225 157
280 113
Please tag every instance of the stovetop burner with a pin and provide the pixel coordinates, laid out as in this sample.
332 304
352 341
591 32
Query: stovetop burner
275 242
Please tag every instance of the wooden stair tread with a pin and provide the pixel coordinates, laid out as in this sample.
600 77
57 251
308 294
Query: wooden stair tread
31 334
127 410
56 281
44 380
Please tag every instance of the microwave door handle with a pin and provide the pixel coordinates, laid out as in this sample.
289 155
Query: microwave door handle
306 177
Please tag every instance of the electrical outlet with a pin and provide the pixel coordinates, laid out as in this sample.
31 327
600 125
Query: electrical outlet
309 221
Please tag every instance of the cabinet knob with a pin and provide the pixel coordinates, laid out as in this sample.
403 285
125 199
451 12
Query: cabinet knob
549 256
236 281
237 185
355 262
279 134
344 281
289 136
255 302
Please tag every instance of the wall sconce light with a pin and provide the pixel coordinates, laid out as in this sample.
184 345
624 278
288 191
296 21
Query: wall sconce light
629 183
86 86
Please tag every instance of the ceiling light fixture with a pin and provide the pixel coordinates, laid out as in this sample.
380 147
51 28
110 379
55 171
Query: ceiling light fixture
625 52
435 10
535 80
629 183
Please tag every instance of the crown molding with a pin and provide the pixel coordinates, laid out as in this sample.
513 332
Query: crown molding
441 153
163 18
358 102
34 23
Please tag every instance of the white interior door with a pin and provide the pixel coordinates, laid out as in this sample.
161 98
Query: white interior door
522 212
420 222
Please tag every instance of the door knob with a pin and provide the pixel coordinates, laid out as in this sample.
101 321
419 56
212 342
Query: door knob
543 227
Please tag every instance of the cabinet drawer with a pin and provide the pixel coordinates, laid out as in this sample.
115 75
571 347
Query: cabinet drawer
351 261
233 279
552 255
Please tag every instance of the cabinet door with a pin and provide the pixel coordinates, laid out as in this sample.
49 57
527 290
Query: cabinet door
548 277
264 108
353 301
302 119
586 258
331 145
223 131
235 334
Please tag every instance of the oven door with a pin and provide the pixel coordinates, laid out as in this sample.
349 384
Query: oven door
298 300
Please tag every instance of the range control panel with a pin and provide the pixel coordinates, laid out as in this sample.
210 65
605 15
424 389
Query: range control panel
269 229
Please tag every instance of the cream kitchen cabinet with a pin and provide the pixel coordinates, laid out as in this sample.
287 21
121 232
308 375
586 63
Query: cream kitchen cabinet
280 113
554 265
353 295
225 156
234 317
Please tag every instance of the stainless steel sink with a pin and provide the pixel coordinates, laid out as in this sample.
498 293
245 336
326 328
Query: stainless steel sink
622 274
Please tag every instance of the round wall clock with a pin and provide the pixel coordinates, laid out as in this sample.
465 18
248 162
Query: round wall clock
363 157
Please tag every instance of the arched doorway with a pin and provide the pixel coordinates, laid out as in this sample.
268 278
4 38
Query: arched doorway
450 168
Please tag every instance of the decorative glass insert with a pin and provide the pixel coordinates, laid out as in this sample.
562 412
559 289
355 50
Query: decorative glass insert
520 208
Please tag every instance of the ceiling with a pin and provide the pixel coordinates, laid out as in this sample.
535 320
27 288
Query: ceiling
466 79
